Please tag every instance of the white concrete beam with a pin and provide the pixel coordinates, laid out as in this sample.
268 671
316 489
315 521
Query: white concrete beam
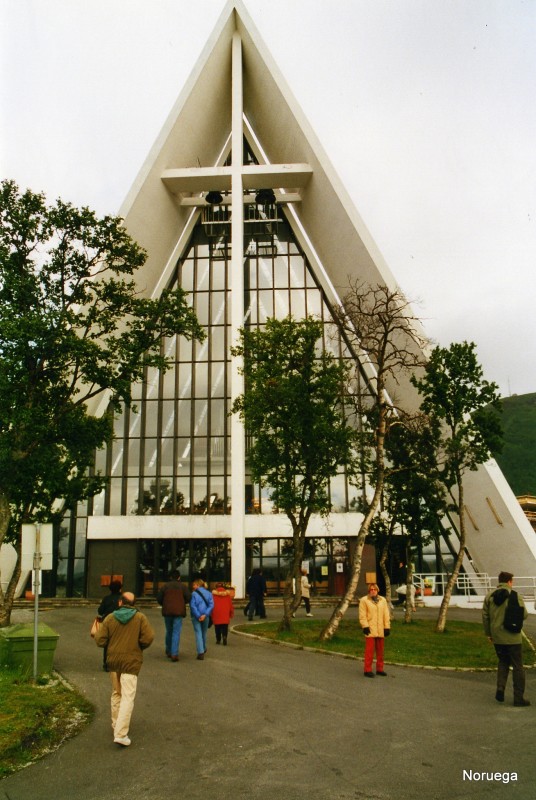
238 436
276 176
197 179
254 176
280 197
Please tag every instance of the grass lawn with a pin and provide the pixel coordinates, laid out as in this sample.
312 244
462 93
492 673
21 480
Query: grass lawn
462 645
36 718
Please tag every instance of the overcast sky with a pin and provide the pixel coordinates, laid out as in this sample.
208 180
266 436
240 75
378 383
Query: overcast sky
426 108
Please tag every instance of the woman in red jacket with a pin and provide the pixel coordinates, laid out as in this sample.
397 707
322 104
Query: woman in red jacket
222 613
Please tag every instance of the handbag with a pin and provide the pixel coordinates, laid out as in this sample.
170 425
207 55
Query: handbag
95 625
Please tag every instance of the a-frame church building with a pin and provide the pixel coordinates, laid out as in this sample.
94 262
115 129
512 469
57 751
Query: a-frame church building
238 204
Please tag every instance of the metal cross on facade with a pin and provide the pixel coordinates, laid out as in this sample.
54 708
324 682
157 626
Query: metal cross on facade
239 179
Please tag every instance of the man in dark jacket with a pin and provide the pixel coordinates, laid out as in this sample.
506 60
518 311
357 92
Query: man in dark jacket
109 604
507 644
126 633
173 597
256 589
111 601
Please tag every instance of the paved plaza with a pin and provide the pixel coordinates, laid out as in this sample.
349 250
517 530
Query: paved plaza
256 721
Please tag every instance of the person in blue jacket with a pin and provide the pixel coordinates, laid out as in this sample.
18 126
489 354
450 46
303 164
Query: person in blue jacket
201 605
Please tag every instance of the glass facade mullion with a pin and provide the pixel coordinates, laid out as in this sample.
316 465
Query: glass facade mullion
174 469
126 450
172 452
159 413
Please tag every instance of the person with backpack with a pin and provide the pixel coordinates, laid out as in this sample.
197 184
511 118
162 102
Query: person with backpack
503 613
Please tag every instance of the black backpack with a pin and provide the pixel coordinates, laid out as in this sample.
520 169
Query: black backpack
514 614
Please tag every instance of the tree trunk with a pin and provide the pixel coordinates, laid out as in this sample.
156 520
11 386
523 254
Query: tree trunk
285 622
443 610
340 610
292 599
6 599
386 576
409 586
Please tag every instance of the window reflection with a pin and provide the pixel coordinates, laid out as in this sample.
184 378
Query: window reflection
179 442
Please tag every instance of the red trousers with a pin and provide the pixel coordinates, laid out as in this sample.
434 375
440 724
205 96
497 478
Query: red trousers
374 643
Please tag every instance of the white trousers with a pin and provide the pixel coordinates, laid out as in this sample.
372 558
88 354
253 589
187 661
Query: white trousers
123 695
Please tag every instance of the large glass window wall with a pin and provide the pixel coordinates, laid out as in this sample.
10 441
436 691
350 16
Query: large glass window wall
171 450
321 557
157 558
170 454
279 282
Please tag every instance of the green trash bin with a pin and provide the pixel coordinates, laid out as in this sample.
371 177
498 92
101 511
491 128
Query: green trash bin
17 647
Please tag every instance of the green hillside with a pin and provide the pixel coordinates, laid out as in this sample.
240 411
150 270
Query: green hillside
518 458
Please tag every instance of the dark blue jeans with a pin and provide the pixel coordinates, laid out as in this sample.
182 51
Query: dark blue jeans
173 634
256 606
200 631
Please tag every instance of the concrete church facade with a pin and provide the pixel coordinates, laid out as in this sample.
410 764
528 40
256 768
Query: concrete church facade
266 230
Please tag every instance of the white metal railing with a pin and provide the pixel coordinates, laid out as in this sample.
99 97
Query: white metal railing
477 582
474 585
525 585
430 583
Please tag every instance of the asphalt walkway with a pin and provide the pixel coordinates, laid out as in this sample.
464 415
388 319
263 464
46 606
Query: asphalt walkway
256 721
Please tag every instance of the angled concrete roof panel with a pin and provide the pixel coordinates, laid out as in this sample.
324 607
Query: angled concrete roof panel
339 235
194 134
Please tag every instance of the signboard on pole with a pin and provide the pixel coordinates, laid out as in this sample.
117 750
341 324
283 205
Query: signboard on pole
28 546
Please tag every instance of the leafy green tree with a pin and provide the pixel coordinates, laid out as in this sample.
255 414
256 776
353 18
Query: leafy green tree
74 330
293 411
415 500
382 529
462 410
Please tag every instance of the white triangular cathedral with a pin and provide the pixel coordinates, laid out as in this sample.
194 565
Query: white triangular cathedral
179 492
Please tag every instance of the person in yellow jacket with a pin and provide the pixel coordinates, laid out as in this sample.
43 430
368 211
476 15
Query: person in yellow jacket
376 623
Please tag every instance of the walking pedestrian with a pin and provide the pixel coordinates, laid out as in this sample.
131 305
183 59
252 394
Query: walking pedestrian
173 597
507 643
201 605
256 589
126 633
306 592
222 613
109 603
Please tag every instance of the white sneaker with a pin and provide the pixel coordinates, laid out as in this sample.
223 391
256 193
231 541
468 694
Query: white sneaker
308 615
123 740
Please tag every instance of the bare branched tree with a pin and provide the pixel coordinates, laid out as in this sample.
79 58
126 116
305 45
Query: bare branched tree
387 339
